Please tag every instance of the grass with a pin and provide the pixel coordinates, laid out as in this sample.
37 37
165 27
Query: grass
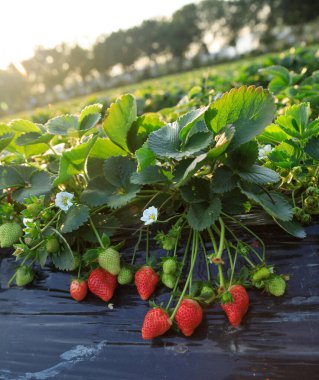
183 81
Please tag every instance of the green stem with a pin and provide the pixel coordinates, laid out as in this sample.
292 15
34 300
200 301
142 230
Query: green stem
249 261
194 254
212 238
242 242
229 256
205 256
233 270
193 258
37 245
96 233
251 232
51 221
137 246
169 219
147 245
181 269
79 271
63 239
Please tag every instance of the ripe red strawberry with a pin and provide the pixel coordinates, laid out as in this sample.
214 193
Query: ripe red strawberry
236 310
78 289
156 322
189 315
102 284
146 280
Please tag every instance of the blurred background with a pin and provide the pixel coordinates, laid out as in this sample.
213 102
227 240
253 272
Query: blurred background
53 51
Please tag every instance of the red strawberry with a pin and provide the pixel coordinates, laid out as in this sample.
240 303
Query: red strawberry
236 310
102 284
146 280
156 322
78 289
189 315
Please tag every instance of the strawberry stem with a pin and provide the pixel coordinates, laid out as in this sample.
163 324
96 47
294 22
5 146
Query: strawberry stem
251 232
96 233
181 269
205 256
147 244
194 255
247 245
137 246
220 252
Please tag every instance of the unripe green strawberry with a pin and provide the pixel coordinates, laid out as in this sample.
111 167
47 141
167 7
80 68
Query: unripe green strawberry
24 275
76 261
10 233
207 291
168 243
125 276
261 274
169 266
109 259
53 245
276 286
169 280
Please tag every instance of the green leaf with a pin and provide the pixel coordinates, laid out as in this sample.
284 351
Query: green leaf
94 167
166 142
10 177
115 188
42 256
187 168
104 148
312 129
145 157
20 125
244 156
76 216
65 125
32 138
187 121
294 121
73 161
202 215
38 184
259 175
249 109
63 260
141 128
94 194
284 156
312 148
281 78
224 180
90 116
6 136
120 117
196 191
151 174
275 204
273 134
293 228
234 202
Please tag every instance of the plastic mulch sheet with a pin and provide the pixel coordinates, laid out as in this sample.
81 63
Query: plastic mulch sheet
44 334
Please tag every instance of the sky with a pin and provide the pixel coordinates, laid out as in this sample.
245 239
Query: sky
25 24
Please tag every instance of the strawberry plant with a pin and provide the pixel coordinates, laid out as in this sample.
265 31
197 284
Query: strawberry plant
76 187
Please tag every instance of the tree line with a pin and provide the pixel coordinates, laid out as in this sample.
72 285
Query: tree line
68 70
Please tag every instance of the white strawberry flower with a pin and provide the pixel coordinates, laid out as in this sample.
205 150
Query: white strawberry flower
149 215
63 200
25 221
264 151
